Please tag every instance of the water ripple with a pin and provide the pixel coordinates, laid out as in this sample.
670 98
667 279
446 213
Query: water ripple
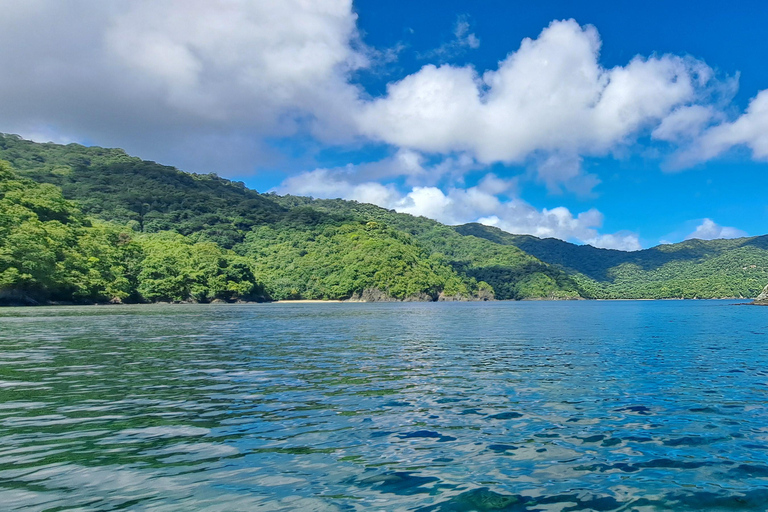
431 407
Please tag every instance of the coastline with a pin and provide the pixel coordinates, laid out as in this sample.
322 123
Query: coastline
748 302
309 301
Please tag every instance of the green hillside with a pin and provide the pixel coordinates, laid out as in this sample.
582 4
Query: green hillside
511 272
50 251
109 184
150 232
296 248
694 268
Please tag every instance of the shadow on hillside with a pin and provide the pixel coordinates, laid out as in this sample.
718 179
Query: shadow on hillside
598 263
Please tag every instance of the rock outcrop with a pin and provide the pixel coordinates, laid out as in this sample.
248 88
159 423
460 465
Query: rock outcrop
16 298
762 299
378 295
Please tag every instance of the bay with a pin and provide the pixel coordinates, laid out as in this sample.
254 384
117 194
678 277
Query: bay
561 406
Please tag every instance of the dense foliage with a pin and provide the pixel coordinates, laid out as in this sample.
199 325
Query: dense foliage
92 224
342 261
49 251
511 273
691 269
174 268
150 198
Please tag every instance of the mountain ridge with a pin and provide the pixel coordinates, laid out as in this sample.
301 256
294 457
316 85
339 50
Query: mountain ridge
289 240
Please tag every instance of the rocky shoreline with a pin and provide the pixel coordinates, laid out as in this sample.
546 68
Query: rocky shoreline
16 299
762 299
377 295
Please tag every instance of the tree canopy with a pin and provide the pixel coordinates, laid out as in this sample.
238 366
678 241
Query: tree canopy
93 224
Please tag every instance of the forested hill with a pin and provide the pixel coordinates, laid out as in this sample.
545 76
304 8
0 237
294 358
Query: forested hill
294 249
200 237
694 268
149 197
511 272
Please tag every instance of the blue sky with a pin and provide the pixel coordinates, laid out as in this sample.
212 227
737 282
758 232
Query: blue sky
619 124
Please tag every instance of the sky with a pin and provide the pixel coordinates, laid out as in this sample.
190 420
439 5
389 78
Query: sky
616 124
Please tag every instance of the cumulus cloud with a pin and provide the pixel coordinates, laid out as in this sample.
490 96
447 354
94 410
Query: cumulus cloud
709 230
409 166
623 241
198 82
551 95
184 78
749 130
685 123
487 203
330 184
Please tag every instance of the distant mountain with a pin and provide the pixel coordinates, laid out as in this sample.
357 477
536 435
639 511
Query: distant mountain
693 268
299 247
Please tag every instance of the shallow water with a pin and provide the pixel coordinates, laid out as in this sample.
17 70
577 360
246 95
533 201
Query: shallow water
521 406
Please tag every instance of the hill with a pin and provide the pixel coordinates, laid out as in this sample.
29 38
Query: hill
50 251
109 184
294 245
690 269
299 247
511 272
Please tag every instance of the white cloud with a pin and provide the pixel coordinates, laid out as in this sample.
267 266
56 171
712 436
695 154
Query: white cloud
564 171
519 217
164 77
709 230
463 40
685 123
405 163
207 84
551 96
331 184
463 35
623 241
484 203
217 58
750 130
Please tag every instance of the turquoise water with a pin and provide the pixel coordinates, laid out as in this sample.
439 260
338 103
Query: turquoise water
521 406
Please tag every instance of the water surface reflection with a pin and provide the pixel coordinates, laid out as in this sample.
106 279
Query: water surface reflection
431 407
